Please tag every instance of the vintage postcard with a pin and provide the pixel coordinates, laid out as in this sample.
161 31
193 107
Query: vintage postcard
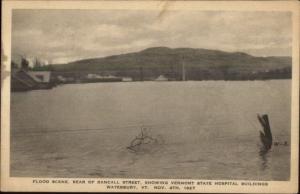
150 96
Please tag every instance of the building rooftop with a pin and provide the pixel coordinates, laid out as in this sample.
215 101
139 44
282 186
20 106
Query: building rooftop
40 76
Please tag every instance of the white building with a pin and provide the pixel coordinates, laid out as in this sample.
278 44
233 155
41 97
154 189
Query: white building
161 78
127 79
40 76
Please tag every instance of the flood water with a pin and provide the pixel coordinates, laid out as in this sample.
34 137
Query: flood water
202 130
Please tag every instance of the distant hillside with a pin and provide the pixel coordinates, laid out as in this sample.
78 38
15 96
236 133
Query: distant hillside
162 57
199 64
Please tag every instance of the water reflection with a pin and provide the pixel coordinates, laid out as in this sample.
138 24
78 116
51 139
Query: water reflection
264 155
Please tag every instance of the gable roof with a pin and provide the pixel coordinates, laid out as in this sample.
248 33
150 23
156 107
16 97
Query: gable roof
40 76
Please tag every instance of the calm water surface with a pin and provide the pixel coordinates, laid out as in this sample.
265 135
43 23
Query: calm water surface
204 130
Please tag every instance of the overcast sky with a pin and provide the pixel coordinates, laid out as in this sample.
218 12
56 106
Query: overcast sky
60 36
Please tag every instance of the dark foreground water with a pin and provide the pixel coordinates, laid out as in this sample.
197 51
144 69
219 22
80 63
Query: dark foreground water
202 130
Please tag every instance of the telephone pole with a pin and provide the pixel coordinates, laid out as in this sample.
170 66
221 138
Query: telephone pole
183 69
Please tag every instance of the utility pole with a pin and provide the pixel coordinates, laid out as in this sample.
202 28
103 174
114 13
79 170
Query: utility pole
183 69
141 74
173 78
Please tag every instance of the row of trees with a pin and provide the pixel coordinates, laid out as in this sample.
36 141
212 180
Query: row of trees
146 74
27 64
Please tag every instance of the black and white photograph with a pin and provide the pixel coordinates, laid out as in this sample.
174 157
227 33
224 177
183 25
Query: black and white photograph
151 94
